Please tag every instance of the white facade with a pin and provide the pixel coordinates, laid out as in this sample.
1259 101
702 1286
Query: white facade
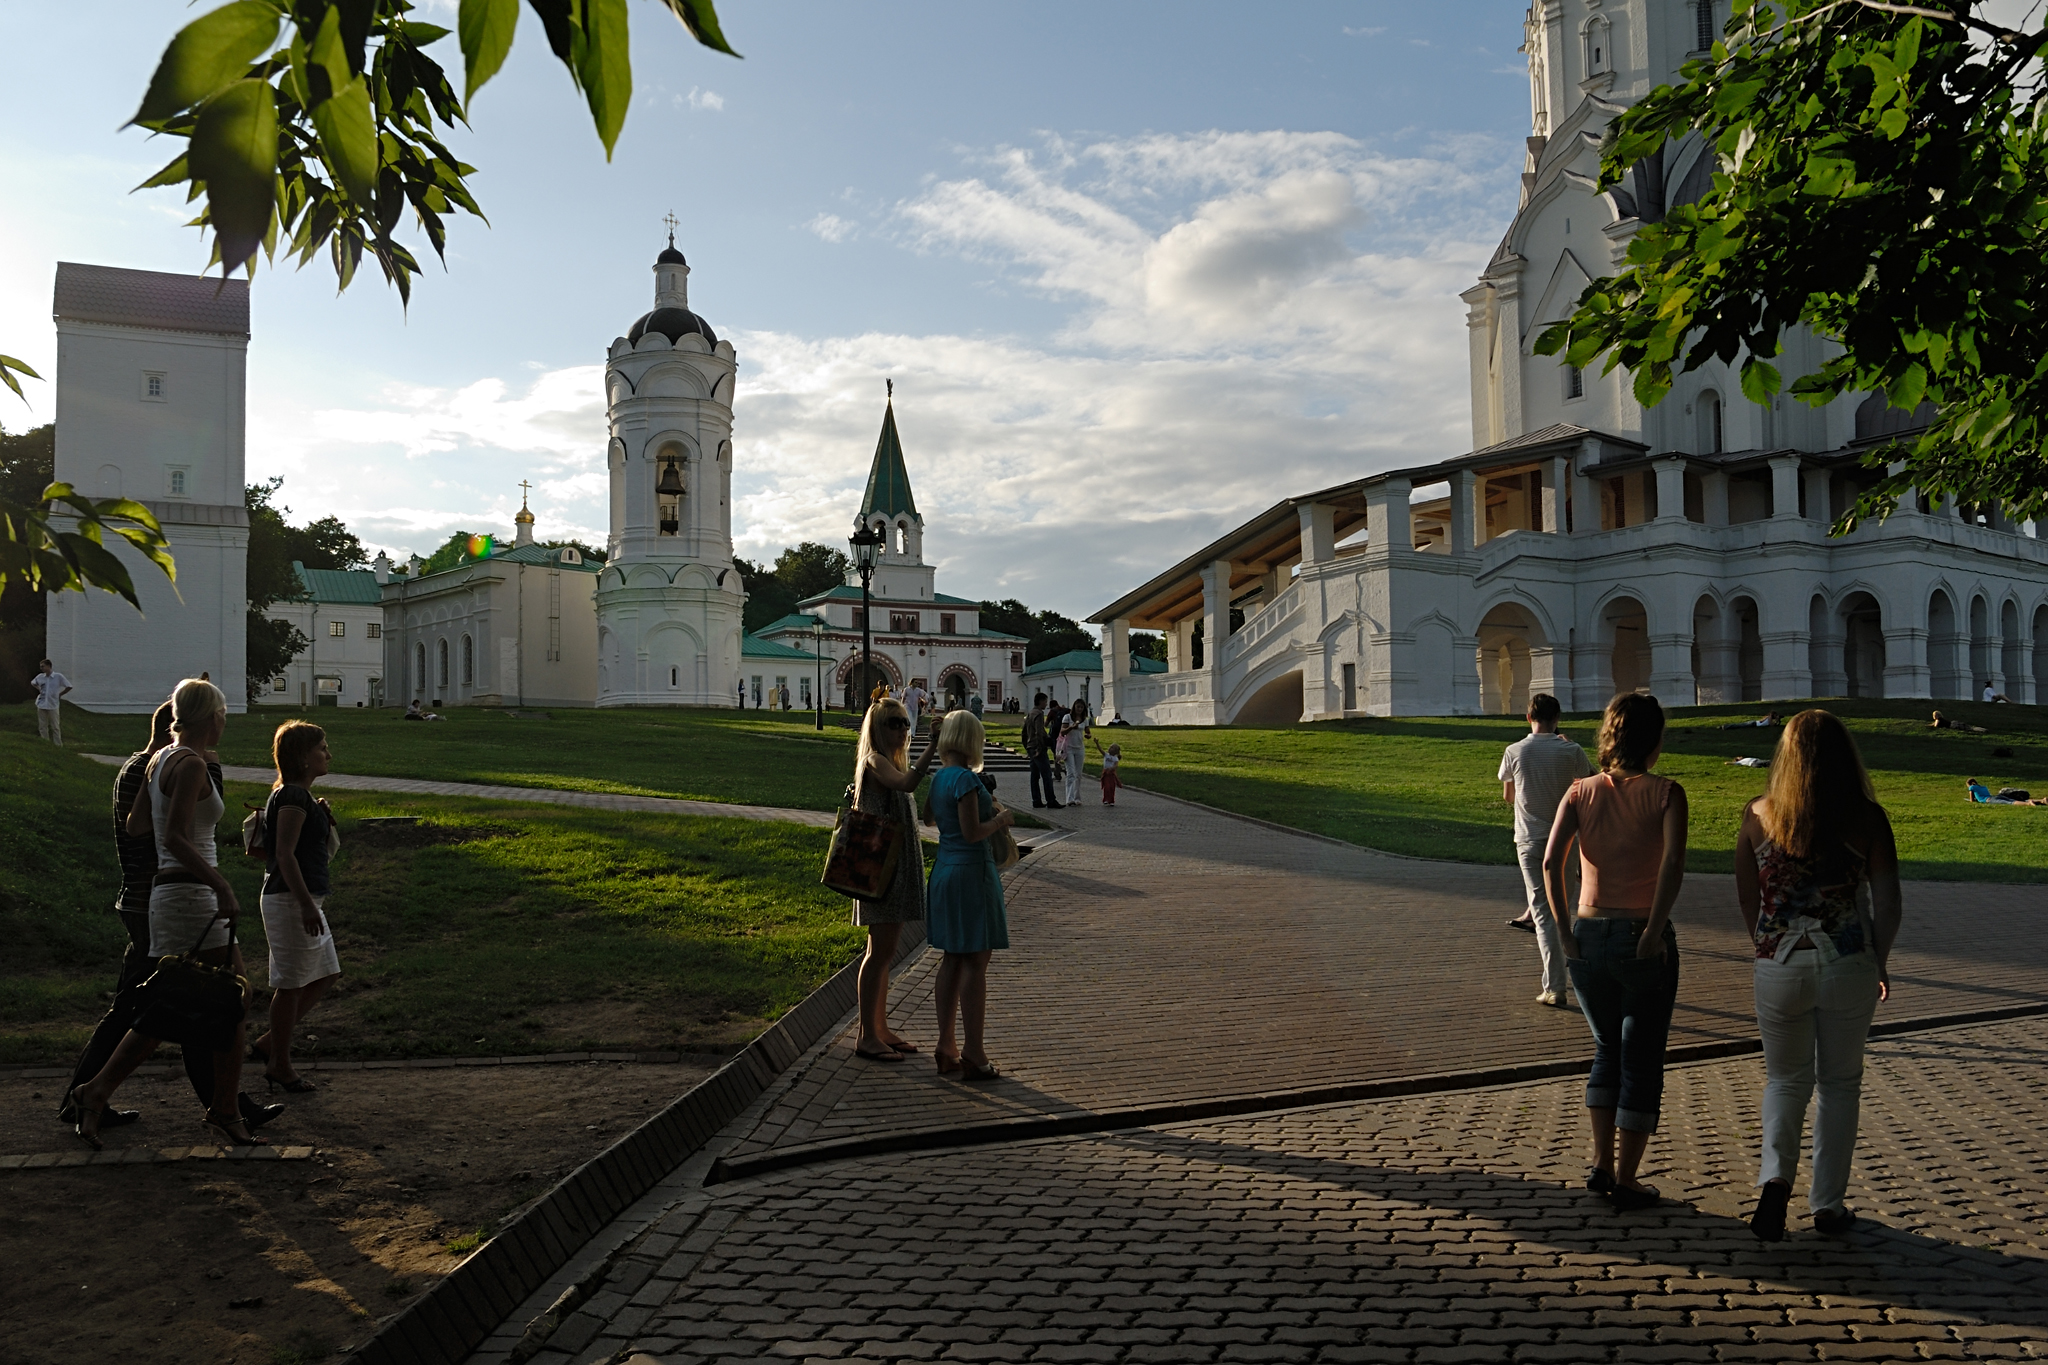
150 396
343 662
669 601
1586 545
516 629
917 633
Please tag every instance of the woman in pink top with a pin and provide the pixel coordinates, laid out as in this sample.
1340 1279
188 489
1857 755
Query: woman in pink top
1623 957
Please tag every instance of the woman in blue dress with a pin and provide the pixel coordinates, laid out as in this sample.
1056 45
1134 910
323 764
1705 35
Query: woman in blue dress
964 904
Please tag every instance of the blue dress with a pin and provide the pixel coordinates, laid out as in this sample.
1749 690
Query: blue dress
964 903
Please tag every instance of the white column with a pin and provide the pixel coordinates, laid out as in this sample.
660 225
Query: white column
1467 526
1387 518
1555 483
1784 486
1670 490
1116 653
1318 532
1818 507
1585 497
1215 614
1714 489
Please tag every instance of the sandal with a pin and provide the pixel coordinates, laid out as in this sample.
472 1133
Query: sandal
88 1126
883 1054
293 1085
971 1070
1768 1222
223 1132
1600 1180
1628 1198
905 1046
948 1062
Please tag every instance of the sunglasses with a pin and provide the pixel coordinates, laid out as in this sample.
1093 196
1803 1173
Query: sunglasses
898 723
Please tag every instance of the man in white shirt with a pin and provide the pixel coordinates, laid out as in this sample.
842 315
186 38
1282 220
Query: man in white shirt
50 686
1535 773
913 701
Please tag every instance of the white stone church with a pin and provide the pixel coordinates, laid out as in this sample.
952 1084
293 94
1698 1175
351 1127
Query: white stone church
1587 545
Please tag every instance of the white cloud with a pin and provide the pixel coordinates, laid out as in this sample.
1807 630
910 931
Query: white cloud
831 227
706 99
1365 32
1245 315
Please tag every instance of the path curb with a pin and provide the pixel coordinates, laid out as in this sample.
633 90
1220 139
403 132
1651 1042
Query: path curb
1276 826
1189 1111
453 1318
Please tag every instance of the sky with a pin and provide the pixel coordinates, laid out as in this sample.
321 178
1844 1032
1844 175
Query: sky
1138 270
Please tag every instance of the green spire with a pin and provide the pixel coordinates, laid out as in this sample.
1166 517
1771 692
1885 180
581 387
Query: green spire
888 481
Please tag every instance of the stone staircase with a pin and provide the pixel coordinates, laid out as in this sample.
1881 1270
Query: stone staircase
995 758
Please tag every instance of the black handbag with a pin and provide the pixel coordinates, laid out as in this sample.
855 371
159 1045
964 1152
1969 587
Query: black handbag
192 1003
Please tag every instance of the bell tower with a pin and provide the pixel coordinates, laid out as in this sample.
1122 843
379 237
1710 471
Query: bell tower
668 601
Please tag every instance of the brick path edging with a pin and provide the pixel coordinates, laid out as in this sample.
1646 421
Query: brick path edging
1150 1116
453 1318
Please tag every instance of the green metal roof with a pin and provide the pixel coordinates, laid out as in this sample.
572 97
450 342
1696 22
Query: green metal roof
358 587
888 481
794 621
850 592
1089 661
988 634
754 647
550 556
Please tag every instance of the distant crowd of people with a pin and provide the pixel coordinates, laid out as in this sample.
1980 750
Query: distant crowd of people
181 917
1602 854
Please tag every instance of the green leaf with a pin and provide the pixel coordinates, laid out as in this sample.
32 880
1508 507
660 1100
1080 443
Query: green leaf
328 68
1760 381
1908 50
486 27
1892 123
1906 391
206 55
348 137
9 367
424 35
234 151
701 20
606 69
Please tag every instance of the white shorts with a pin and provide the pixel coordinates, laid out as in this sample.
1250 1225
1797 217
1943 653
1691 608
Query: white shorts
177 912
296 957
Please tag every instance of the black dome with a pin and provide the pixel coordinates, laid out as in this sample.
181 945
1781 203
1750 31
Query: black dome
672 323
670 256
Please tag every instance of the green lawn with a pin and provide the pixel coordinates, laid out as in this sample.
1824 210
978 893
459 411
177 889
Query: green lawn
759 758
489 928
1426 786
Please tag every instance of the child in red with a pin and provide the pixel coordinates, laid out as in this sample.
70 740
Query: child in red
1110 781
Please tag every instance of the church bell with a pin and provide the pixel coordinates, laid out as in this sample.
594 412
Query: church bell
670 491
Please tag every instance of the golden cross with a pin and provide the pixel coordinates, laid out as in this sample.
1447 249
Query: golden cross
524 488
671 221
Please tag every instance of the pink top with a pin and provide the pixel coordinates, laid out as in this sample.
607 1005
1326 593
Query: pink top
1621 838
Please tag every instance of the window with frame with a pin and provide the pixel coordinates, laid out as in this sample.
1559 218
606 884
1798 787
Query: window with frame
1703 15
442 651
153 386
860 617
948 623
995 694
906 621
1016 661
375 630
419 666
177 483
468 661
1574 382
278 684
337 629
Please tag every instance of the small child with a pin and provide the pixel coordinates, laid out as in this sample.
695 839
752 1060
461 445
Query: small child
1110 781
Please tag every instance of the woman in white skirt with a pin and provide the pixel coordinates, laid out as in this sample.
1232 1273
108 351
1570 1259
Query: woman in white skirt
189 904
303 963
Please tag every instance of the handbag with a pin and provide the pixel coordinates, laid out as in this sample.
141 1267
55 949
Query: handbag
861 862
1003 848
193 1003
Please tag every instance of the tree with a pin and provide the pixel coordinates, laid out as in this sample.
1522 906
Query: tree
1147 645
810 568
588 552
323 135
453 553
1883 180
326 544
769 599
271 645
1047 634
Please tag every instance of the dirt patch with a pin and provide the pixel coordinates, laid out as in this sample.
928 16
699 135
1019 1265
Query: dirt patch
143 1262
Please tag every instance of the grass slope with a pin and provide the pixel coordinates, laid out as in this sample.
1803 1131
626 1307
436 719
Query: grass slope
491 927
1426 786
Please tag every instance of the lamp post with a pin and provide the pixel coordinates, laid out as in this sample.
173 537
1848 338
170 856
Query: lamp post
867 543
818 652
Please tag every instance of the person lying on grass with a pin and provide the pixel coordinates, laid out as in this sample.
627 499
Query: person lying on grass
1941 722
1981 795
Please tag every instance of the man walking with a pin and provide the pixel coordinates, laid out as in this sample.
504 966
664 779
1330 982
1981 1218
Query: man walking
1037 748
50 686
914 698
1535 773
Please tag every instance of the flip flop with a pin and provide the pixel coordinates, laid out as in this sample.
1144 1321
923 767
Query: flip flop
905 1046
886 1055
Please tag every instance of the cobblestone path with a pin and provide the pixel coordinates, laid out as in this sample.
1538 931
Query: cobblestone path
1179 957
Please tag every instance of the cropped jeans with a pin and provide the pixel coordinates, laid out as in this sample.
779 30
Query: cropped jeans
1627 1002
1814 1017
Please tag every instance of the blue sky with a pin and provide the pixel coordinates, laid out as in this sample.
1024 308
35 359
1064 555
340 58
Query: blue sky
1137 269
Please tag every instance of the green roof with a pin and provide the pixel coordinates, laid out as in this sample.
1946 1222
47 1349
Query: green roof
988 634
754 647
888 489
796 620
550 555
355 586
850 592
1089 661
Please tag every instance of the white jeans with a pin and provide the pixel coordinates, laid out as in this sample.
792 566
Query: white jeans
1077 767
50 725
1814 1017
1548 947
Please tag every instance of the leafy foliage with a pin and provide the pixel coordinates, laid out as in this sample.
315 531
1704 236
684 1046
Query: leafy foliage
271 645
454 553
319 123
39 556
1147 644
1883 179
1047 633
800 572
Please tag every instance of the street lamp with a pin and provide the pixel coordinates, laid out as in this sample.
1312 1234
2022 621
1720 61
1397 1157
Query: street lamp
818 652
867 542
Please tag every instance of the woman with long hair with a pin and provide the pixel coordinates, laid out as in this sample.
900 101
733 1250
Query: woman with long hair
883 780
1621 952
303 962
1809 847
966 920
189 902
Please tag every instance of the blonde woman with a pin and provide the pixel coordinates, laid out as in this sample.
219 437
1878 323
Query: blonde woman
1809 845
190 902
883 780
964 908
1630 826
303 962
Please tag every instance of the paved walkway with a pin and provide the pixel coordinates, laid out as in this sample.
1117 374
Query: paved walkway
547 796
1168 957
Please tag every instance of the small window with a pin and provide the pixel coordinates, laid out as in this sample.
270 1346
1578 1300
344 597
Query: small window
468 661
1351 687
906 621
1016 661
277 684
995 694
442 652
153 386
860 617
178 483
337 628
375 630
756 680
1574 382
673 674
572 556
946 623
1710 423
419 666
1703 15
